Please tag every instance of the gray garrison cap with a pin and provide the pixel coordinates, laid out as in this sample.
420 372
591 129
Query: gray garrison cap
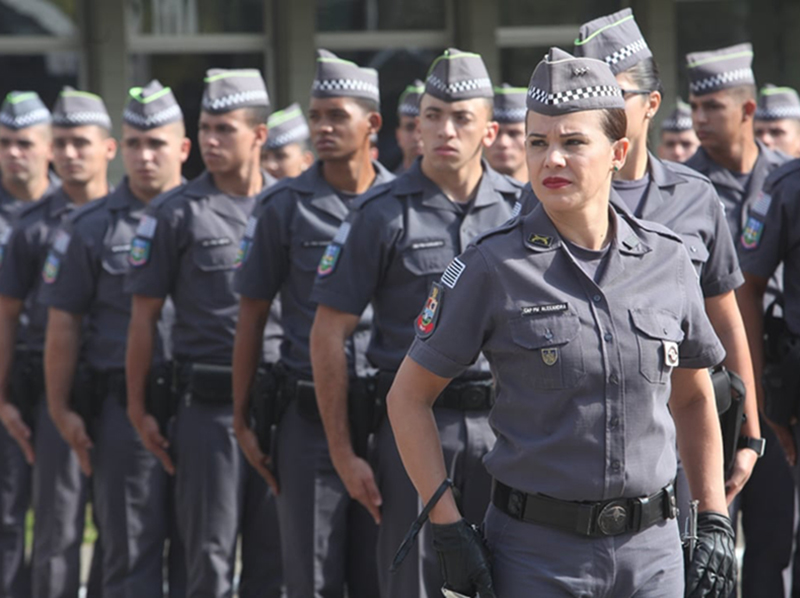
720 69
229 90
75 108
408 104
777 103
151 106
680 119
22 109
614 39
509 104
561 84
287 126
457 75
338 78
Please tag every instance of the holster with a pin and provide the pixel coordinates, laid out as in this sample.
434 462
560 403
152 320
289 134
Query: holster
161 400
84 398
730 393
26 384
781 376
267 405
205 383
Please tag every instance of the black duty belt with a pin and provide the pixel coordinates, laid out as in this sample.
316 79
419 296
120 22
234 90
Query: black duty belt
205 383
592 519
462 395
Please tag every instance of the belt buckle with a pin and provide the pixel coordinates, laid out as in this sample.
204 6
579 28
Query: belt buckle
613 518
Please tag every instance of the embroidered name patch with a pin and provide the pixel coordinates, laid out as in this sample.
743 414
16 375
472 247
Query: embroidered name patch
328 262
428 244
535 310
121 248
220 242
319 243
140 252
426 320
453 272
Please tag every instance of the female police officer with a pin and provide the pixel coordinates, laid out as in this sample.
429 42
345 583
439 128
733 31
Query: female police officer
583 312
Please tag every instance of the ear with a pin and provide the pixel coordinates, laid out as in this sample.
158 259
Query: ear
186 147
308 159
653 104
111 148
261 135
492 128
375 122
748 109
620 152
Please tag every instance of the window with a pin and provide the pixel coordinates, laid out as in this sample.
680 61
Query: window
182 17
522 13
371 15
39 17
44 73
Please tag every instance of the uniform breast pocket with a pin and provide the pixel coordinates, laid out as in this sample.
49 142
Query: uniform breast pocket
307 256
432 259
658 334
554 344
215 256
116 263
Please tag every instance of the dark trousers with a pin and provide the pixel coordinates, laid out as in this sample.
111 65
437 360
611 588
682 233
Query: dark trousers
15 498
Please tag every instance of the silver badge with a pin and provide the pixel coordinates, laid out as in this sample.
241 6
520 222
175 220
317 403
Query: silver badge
671 354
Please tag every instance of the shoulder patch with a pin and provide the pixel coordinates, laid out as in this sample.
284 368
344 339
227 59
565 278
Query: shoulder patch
425 323
140 251
453 272
329 260
752 232
52 266
246 243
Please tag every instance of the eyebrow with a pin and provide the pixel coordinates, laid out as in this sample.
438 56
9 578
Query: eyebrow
541 135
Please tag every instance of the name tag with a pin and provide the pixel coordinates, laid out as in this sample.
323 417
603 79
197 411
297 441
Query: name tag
535 310
215 242
428 244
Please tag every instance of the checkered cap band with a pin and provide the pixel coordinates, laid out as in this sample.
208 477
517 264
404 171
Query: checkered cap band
510 114
778 113
334 85
230 102
571 95
684 123
405 109
721 80
298 133
638 46
34 117
149 122
77 119
459 86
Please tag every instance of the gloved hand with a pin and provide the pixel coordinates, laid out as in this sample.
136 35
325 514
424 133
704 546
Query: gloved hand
464 559
712 572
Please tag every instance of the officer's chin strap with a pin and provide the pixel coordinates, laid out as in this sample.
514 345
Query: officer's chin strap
413 532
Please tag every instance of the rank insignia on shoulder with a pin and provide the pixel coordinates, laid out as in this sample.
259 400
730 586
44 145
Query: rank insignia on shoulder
751 235
140 252
329 259
51 267
426 320
671 354
540 240
550 356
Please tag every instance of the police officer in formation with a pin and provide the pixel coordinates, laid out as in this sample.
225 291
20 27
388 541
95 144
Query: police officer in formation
328 539
594 383
777 119
185 247
507 154
678 142
399 240
286 154
82 148
407 133
84 287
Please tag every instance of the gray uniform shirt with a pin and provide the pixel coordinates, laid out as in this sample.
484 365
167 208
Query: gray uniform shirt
772 237
186 247
298 221
88 262
399 240
582 368
24 256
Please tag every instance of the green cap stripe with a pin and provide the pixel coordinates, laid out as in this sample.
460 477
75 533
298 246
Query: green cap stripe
136 94
80 94
691 65
230 74
15 98
448 56
768 91
510 90
281 116
578 42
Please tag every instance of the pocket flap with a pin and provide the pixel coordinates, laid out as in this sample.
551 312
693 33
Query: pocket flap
657 324
697 250
534 332
212 258
115 262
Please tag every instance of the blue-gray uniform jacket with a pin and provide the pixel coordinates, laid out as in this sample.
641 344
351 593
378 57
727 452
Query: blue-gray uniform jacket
772 237
88 261
737 199
582 368
298 221
24 257
400 239
187 246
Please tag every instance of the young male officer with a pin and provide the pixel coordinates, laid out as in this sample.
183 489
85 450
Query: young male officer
84 285
507 154
186 247
678 141
82 149
25 154
328 539
777 119
286 153
391 249
406 134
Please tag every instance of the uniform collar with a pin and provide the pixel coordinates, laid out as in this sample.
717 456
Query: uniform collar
766 161
60 203
219 202
122 198
660 174
661 177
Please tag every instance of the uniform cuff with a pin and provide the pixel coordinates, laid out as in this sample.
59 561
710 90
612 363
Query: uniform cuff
336 301
57 301
730 282
434 361
707 359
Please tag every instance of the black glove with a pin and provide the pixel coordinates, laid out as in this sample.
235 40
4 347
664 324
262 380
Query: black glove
464 559
712 572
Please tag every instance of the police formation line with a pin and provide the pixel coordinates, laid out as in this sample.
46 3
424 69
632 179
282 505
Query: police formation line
474 377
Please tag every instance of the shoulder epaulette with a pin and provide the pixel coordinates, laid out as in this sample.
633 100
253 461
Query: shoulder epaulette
686 171
780 173
650 226
373 193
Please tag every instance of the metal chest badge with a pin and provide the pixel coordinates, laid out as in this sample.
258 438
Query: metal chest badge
426 320
671 354
550 356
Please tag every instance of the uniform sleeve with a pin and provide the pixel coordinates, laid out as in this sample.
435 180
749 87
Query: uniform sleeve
361 261
155 253
721 273
456 318
700 347
69 276
20 264
266 265
761 252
